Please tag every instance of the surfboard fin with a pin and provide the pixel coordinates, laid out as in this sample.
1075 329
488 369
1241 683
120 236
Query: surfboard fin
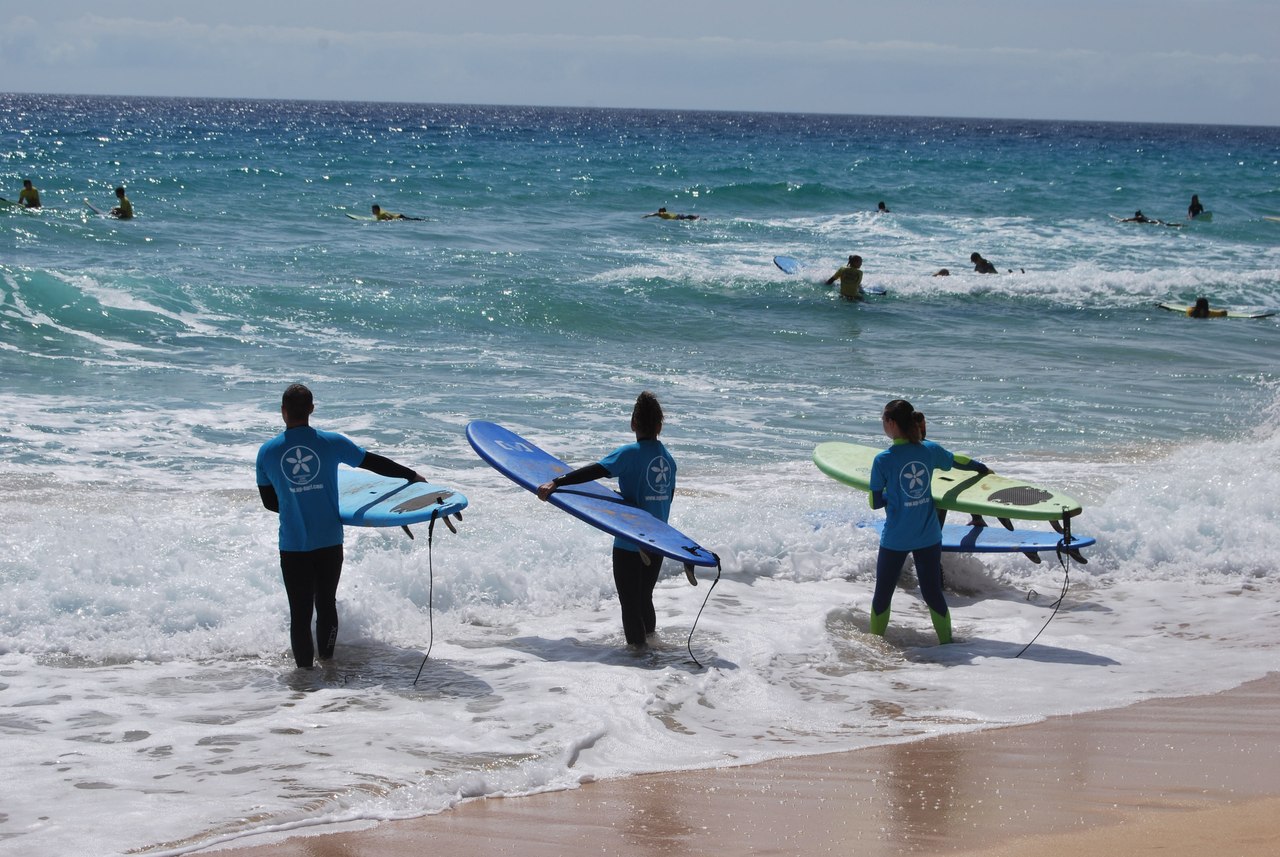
408 532
1033 556
1008 525
688 572
1075 554
644 558
450 525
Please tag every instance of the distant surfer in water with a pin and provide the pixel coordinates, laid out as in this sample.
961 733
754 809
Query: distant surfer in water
646 475
379 214
124 208
29 197
298 479
850 277
1201 310
981 265
1195 209
901 485
881 208
667 215
1139 217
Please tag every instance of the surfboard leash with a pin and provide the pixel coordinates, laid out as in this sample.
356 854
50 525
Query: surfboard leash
431 587
688 644
1065 554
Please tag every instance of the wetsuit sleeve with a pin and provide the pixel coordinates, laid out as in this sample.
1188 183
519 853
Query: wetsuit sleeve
964 462
589 473
384 466
269 498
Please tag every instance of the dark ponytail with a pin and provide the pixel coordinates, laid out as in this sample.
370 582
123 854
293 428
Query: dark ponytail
901 414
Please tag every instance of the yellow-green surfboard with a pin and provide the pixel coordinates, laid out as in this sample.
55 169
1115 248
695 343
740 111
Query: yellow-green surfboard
954 490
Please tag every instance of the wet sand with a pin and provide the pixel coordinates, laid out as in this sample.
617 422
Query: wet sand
1175 777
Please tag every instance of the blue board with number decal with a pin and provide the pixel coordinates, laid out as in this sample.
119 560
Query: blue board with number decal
528 466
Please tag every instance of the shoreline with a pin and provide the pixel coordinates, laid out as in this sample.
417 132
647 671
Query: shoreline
1169 776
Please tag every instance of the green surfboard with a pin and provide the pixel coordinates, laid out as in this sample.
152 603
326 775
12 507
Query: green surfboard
954 490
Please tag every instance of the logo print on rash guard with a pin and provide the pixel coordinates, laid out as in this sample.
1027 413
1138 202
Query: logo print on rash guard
658 475
914 480
300 465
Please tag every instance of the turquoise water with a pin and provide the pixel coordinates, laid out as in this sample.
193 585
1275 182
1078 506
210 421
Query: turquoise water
143 363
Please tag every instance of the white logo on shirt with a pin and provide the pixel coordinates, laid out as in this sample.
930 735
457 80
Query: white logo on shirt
300 465
658 475
914 480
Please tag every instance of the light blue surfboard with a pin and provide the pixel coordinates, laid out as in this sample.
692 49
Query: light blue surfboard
787 264
368 500
963 538
528 466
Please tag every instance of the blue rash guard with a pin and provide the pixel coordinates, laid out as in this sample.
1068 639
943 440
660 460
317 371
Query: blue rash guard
301 464
646 475
903 476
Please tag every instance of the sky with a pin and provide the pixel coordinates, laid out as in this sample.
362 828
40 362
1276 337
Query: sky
1200 61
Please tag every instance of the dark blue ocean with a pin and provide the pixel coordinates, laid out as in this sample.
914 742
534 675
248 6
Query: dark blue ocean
144 662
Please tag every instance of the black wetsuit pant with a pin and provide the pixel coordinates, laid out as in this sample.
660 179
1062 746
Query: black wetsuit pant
311 581
889 564
635 582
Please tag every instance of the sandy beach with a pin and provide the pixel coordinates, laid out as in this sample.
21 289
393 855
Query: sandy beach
1170 777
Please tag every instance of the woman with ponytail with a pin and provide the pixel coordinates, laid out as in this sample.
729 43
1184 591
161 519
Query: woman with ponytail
901 484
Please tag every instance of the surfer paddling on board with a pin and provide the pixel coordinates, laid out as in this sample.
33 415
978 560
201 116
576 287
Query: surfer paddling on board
298 479
667 215
901 485
379 214
850 277
1201 310
646 475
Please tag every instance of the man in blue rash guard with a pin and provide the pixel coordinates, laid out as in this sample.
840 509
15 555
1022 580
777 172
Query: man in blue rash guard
646 475
298 478
901 484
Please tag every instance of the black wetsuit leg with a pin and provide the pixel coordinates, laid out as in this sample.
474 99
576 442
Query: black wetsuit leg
929 574
635 582
311 582
888 570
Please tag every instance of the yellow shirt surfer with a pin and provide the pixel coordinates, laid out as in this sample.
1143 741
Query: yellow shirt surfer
124 210
29 196
850 277
379 214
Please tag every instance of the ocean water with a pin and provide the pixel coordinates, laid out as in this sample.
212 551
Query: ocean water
148 703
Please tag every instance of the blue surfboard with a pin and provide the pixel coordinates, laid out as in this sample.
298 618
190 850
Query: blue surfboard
368 500
963 538
528 466
787 264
